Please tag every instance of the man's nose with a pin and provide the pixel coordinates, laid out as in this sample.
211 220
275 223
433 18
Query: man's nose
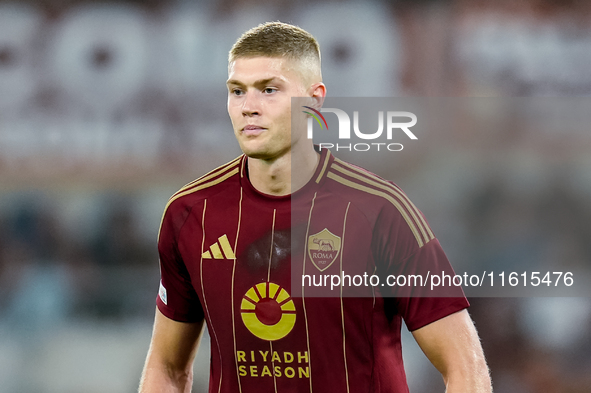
251 105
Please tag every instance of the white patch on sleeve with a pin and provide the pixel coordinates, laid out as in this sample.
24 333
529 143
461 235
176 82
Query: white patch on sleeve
162 294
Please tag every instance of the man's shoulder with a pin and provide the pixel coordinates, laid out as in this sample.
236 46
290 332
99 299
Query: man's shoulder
351 179
377 198
213 182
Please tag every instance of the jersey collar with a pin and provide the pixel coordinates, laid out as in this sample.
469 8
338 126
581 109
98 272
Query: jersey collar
306 192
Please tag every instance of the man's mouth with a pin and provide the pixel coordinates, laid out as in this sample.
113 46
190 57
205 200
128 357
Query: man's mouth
252 130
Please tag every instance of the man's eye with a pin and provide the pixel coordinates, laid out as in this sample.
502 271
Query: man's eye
270 90
237 92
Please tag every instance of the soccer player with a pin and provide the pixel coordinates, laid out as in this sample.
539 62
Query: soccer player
227 247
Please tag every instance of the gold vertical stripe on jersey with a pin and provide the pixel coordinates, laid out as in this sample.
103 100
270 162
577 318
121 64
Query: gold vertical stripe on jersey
232 291
226 248
324 165
273 366
303 297
206 255
360 187
195 189
269 292
271 250
410 207
204 297
342 308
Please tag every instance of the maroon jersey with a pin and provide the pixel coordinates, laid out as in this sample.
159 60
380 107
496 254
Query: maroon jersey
227 253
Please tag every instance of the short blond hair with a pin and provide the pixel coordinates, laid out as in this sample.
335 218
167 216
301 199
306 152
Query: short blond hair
278 39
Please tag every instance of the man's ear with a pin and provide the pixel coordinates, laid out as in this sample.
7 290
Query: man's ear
317 94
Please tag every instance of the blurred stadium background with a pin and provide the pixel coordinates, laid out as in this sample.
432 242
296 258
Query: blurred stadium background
108 107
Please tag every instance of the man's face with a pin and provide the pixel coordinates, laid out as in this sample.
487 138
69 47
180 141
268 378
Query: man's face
259 104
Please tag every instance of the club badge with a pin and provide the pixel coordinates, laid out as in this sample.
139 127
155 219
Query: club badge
323 248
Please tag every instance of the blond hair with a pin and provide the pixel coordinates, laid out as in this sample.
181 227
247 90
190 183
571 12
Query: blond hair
278 39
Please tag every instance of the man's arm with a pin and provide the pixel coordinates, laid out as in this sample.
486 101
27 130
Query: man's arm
169 365
453 346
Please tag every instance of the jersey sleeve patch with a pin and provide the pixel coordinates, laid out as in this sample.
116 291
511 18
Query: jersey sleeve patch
162 294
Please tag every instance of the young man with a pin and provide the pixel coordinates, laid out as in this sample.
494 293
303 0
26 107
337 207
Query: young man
226 249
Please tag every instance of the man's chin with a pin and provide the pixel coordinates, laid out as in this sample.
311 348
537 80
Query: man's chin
254 150
258 154
262 153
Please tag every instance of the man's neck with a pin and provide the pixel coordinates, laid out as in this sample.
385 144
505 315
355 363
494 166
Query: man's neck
283 175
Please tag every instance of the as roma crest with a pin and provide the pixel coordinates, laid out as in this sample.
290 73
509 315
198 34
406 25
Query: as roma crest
323 248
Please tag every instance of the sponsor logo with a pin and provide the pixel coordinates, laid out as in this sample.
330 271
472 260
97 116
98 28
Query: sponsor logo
268 311
323 248
220 250
273 364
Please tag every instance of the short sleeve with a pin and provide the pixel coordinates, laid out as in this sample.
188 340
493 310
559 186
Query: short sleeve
408 267
176 298
418 303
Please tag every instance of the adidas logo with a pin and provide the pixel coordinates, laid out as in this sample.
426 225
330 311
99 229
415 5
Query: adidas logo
219 250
